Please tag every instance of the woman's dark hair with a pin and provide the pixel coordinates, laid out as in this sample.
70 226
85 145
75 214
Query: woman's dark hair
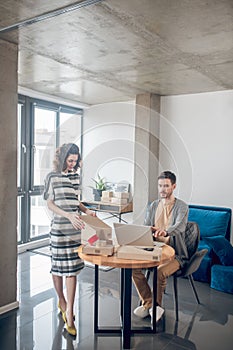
62 153
168 175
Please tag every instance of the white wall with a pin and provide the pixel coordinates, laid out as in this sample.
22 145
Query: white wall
196 132
108 144
196 142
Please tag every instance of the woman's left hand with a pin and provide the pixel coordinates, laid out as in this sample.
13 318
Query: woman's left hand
90 212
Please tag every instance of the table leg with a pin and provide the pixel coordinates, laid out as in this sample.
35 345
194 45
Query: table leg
96 299
126 325
122 293
154 299
125 307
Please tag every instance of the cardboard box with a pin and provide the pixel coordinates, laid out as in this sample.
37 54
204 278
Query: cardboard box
119 201
107 194
139 253
121 195
95 226
106 199
106 250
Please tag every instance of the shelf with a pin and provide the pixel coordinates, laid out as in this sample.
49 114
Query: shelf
109 207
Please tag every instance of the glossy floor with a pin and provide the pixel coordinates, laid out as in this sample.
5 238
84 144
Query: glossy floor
37 324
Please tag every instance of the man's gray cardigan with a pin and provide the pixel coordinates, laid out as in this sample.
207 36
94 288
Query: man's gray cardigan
177 229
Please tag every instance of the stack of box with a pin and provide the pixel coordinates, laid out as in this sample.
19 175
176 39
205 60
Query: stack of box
119 198
99 248
96 236
139 253
95 226
106 196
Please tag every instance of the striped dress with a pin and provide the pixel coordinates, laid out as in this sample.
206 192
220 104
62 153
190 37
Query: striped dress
63 189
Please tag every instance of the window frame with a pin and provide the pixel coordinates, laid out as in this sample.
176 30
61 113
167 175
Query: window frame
27 189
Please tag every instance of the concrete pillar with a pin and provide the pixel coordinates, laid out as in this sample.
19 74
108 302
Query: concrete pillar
8 175
146 155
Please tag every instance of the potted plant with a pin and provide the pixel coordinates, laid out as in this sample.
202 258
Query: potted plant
100 186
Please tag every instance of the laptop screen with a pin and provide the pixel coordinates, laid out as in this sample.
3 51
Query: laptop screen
136 235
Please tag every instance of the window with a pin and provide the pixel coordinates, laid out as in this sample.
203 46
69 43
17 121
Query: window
42 126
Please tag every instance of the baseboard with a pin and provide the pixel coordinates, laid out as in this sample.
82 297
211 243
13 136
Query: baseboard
9 307
31 245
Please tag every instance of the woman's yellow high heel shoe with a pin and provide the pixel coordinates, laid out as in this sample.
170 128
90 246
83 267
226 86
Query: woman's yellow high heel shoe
63 313
71 330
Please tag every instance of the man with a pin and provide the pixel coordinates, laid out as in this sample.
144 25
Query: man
168 218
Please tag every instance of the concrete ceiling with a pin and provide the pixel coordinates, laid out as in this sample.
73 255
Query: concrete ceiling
113 50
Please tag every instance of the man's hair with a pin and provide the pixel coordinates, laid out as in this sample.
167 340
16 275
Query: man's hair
168 175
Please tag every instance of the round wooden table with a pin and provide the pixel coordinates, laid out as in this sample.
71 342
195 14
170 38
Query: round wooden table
126 266
168 253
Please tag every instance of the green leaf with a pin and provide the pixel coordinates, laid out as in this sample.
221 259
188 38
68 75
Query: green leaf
100 183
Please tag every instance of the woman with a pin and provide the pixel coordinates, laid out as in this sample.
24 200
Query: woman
61 191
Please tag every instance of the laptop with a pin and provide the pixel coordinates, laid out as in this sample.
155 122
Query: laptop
133 235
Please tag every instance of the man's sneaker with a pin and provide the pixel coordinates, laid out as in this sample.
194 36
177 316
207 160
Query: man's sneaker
141 312
159 312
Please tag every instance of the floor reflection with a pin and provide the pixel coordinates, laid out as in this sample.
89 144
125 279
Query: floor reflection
37 325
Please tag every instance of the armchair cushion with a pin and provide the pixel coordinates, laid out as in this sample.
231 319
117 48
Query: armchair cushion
204 245
222 278
210 222
222 248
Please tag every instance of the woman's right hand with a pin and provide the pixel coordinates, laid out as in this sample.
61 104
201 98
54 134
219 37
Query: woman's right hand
75 220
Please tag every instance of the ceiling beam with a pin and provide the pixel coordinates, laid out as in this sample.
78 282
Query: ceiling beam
50 14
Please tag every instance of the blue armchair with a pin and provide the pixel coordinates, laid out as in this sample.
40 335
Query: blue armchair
215 229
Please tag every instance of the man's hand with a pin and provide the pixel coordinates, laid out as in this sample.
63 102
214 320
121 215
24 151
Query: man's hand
158 232
154 229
